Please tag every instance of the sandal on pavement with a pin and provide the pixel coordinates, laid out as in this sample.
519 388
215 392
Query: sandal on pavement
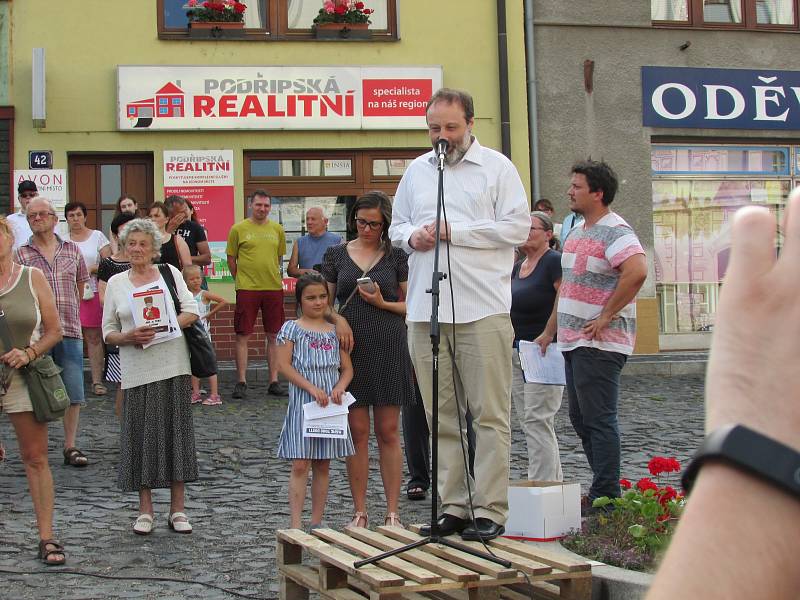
360 519
98 389
143 524
196 398
416 493
54 555
74 457
212 400
393 520
179 523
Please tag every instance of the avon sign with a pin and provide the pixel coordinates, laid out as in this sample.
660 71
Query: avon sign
720 98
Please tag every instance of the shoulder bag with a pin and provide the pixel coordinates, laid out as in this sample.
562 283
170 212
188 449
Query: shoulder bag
43 378
201 352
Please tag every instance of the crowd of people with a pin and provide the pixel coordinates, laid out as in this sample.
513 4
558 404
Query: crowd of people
362 328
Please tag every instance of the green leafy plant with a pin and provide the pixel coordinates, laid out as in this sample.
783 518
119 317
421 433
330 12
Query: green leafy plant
632 531
343 11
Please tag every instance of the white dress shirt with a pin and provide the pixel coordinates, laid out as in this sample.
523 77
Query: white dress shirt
20 227
488 213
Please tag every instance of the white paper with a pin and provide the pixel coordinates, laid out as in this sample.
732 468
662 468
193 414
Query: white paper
312 410
329 421
152 306
547 369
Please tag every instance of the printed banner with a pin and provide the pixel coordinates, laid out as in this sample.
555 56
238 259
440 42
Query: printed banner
205 178
274 97
50 184
720 98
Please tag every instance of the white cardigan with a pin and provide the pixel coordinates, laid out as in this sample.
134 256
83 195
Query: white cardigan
160 361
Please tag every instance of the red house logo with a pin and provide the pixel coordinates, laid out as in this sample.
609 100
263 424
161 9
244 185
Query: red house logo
168 102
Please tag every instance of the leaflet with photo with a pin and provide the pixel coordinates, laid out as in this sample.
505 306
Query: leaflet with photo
151 306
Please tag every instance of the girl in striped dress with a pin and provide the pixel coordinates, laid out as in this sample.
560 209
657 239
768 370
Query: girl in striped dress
318 371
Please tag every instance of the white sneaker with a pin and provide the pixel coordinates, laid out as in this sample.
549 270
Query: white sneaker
179 523
143 524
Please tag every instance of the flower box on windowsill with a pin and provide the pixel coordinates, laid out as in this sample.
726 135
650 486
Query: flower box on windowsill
216 29
346 31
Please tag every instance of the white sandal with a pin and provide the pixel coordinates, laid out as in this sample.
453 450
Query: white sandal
179 523
143 524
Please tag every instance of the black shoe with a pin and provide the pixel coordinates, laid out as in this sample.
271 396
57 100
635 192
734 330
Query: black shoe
448 524
483 529
240 391
276 389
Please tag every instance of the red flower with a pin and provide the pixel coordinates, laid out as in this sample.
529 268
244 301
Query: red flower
662 518
674 464
239 8
368 11
359 5
667 494
625 484
645 483
340 10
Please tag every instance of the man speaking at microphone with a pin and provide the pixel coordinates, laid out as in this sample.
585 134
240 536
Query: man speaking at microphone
487 215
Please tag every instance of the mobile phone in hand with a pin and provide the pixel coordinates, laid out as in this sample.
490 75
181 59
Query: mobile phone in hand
366 284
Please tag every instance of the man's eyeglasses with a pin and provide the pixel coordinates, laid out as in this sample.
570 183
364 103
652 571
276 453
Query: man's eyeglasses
43 214
539 229
374 225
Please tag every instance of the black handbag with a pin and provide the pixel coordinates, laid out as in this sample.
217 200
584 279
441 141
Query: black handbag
201 352
42 376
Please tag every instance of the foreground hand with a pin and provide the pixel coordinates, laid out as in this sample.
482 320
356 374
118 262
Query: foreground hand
544 340
175 222
141 335
422 240
15 358
595 327
320 395
752 378
444 231
344 334
337 393
375 298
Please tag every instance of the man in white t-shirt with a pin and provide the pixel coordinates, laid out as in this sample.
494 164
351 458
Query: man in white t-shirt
26 191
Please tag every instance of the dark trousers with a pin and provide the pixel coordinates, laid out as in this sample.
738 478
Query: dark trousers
593 392
417 447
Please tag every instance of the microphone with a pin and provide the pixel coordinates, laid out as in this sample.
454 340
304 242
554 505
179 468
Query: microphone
441 150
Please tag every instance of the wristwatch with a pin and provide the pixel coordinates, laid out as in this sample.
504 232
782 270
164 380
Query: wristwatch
749 451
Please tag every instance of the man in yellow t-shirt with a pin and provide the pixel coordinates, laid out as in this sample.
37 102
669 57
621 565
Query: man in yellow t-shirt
255 248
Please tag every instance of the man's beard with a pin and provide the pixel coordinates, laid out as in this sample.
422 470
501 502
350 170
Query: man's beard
457 152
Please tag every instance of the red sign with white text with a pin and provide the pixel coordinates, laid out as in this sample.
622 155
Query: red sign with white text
396 97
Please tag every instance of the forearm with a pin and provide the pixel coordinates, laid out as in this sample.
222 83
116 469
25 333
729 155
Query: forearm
232 266
201 260
294 377
711 559
345 377
627 288
47 341
117 338
552 322
398 308
185 319
215 309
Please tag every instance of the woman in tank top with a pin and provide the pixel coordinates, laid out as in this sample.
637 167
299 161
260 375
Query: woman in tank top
29 311
174 250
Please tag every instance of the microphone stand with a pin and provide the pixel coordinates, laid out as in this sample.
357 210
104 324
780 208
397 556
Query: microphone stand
435 537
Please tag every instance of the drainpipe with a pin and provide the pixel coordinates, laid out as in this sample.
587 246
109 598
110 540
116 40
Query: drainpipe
533 112
502 52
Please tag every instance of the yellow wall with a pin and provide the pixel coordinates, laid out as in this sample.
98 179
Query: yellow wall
84 47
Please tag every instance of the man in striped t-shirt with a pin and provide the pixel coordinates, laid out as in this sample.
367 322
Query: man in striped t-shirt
603 268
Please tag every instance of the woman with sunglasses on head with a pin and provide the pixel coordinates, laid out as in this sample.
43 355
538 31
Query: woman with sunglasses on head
382 372
33 326
174 251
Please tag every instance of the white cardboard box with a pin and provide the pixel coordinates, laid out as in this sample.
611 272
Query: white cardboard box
542 510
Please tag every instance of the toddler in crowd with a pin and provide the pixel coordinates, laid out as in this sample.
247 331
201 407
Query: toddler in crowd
318 371
209 304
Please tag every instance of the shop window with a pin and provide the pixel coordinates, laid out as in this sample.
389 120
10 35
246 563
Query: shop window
696 191
736 14
276 19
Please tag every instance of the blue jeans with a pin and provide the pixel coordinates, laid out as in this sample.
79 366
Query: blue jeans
593 392
68 354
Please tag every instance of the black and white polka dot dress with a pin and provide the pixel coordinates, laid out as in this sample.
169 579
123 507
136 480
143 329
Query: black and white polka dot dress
382 370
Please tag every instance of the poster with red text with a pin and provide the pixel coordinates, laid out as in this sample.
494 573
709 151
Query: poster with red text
205 178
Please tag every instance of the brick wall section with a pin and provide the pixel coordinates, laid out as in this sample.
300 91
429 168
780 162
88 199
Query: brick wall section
225 339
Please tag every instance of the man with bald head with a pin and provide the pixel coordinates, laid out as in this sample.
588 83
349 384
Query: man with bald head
62 263
309 249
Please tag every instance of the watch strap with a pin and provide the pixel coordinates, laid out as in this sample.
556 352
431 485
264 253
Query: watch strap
749 451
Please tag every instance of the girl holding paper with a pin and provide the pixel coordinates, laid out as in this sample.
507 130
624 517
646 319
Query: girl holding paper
534 284
318 371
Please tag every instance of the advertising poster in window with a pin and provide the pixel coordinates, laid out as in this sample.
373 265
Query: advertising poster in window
205 178
50 184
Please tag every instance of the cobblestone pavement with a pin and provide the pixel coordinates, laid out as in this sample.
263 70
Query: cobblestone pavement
240 499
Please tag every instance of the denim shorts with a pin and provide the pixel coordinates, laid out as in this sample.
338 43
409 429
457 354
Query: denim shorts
68 354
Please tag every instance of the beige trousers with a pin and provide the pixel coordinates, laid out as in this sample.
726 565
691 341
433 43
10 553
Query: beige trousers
475 364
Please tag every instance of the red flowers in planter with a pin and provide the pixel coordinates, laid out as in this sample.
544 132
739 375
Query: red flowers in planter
659 464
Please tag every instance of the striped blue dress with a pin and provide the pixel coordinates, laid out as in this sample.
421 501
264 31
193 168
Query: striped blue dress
315 357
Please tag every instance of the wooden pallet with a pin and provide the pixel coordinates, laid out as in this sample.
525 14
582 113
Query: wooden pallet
432 571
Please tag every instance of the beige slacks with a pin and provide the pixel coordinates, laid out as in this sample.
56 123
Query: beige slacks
478 361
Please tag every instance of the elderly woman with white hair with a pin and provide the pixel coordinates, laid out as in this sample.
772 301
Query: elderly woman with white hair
157 435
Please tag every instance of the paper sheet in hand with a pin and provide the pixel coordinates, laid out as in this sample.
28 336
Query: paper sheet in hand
151 306
328 422
547 369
